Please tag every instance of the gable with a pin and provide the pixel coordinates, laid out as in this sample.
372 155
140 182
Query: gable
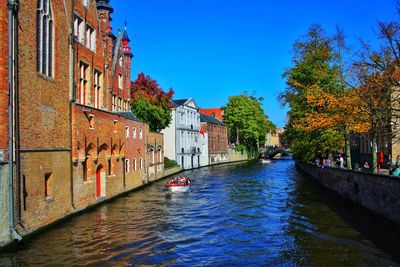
191 103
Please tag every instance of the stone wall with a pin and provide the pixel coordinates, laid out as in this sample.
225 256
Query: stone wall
234 156
374 192
171 171
4 206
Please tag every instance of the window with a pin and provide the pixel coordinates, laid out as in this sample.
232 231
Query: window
86 3
83 68
127 165
114 103
127 131
45 38
90 38
91 121
48 185
79 27
98 94
152 156
119 103
134 133
84 169
134 164
120 81
159 155
141 164
140 134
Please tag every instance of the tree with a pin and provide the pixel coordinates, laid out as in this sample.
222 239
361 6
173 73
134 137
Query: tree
246 120
376 78
150 103
315 72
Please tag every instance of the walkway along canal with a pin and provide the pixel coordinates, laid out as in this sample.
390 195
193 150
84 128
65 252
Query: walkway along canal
236 214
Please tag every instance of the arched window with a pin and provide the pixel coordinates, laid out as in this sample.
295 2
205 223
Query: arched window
141 164
45 38
134 133
159 155
127 131
152 156
134 164
127 165
140 134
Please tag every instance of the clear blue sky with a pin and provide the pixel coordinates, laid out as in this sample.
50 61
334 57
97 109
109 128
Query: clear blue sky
211 49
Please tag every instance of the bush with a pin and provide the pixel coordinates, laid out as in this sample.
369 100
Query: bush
169 163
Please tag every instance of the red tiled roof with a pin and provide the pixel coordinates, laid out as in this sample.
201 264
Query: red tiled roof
215 112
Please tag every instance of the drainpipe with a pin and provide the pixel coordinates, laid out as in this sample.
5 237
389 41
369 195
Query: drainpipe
12 10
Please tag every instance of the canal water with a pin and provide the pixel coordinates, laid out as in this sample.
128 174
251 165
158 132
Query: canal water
245 214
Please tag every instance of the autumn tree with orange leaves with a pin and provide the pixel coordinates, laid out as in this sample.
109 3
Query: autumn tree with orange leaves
322 112
150 103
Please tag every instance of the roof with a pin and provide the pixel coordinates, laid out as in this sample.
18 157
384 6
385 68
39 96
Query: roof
125 37
185 102
210 120
180 102
104 5
215 112
128 115
117 45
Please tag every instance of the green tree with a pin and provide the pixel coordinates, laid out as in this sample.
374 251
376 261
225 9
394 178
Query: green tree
150 103
246 120
315 69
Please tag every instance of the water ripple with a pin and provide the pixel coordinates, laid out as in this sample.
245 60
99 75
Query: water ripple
246 214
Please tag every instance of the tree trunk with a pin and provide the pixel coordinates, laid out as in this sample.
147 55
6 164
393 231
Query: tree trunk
237 136
347 150
374 159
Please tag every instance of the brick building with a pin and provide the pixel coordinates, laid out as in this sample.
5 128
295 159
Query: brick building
107 139
76 140
217 138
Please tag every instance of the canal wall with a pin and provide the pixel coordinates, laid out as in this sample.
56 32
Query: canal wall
4 206
234 156
376 193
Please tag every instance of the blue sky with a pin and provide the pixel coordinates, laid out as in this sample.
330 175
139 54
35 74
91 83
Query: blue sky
212 49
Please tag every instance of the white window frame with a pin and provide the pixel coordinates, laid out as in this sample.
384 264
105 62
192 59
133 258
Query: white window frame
127 131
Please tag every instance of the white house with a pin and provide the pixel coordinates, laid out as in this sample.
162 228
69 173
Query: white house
181 138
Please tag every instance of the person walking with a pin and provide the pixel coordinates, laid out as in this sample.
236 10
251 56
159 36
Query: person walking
341 161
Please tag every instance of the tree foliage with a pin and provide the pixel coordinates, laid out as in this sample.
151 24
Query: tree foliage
316 97
150 103
246 120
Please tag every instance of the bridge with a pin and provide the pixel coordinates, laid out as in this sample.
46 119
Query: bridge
272 151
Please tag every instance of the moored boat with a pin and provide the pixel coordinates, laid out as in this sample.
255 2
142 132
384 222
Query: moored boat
264 161
178 184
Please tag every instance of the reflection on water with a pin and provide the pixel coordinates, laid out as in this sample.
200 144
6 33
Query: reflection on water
245 214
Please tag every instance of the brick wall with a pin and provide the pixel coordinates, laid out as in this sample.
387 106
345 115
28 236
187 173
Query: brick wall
44 121
4 80
38 210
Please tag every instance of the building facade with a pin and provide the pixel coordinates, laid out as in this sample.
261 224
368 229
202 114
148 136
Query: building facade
217 139
65 103
181 137
154 156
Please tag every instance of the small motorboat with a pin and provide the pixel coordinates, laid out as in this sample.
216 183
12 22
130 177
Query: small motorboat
265 161
178 184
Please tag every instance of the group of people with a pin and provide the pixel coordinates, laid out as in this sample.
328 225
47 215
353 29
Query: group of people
394 167
180 180
325 161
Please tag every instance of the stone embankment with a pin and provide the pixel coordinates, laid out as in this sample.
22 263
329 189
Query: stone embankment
377 193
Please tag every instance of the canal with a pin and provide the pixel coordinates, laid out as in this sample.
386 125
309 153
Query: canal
245 214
